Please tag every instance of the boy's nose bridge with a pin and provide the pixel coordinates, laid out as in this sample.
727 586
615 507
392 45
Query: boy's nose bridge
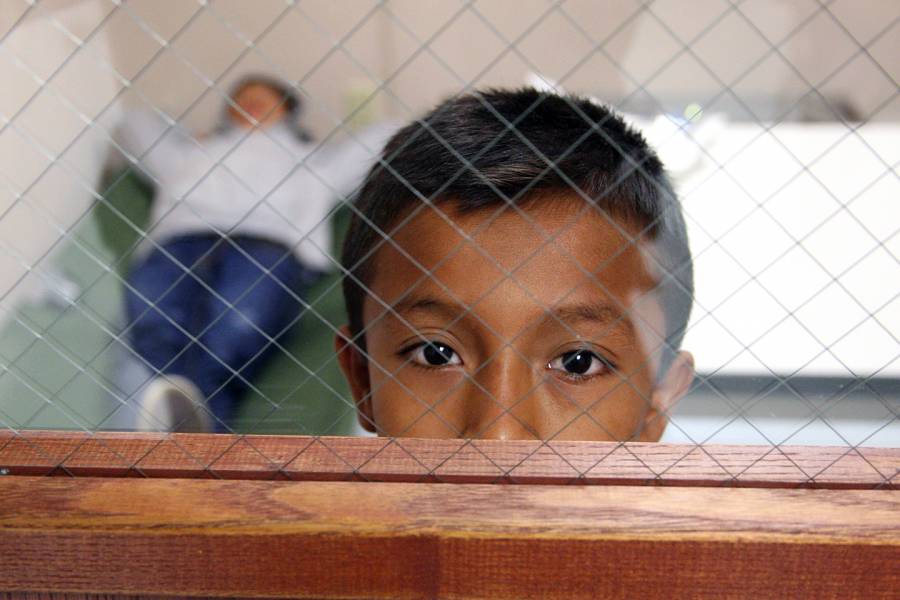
499 401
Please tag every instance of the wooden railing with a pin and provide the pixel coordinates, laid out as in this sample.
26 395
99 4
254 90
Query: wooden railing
145 515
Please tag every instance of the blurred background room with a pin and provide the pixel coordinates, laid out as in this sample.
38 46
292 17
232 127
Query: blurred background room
779 122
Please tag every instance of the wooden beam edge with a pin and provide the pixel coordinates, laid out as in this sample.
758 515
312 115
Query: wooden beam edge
327 539
128 454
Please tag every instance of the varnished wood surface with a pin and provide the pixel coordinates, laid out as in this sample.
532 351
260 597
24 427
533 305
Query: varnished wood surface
454 461
344 539
83 596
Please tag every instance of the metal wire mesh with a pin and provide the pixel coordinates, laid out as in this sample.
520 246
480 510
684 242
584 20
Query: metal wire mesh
777 123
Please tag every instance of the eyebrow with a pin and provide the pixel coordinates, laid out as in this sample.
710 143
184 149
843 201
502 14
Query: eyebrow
593 312
568 314
430 304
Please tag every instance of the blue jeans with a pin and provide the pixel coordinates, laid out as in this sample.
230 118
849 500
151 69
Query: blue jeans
199 307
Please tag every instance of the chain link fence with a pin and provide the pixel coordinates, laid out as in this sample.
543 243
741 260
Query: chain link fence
145 176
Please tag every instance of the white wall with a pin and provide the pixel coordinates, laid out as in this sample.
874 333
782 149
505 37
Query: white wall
470 48
795 233
50 153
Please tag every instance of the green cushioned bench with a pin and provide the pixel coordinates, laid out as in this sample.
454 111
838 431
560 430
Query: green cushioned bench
61 359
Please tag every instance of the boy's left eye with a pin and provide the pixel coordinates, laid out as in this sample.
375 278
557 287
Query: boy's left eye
435 354
579 363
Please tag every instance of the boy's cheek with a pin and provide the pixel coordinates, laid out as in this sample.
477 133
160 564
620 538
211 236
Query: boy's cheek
403 407
610 414
409 408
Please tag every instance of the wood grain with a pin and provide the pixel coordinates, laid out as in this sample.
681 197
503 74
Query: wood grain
74 596
343 539
453 461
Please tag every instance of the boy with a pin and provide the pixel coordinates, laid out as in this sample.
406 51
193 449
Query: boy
517 268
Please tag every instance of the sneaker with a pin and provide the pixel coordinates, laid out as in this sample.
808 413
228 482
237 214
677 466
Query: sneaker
174 403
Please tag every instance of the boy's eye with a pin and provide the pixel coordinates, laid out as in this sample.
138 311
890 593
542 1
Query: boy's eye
435 354
581 363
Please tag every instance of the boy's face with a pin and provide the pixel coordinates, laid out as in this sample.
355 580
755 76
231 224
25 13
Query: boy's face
495 332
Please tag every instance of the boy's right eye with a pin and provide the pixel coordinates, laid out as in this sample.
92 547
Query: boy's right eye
435 354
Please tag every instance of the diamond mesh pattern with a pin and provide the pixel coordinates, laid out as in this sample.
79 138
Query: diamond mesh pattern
778 124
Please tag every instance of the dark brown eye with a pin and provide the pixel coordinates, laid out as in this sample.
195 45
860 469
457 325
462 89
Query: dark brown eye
579 363
435 354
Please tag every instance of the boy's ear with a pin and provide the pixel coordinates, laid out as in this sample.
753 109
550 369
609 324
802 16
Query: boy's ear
674 385
356 370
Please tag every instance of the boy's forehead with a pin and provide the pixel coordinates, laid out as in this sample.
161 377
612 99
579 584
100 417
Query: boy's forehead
557 251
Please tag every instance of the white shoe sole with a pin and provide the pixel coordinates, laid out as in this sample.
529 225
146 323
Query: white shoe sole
174 403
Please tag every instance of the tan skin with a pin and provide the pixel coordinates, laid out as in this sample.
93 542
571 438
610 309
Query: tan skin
564 347
259 105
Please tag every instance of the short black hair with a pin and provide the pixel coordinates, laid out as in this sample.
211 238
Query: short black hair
494 147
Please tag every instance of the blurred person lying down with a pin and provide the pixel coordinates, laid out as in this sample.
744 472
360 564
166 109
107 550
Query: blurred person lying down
517 268
239 230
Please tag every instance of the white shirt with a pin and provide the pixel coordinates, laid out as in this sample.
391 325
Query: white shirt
265 183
